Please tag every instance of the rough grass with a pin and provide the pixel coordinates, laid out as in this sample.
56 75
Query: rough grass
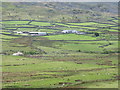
47 73
83 47
62 61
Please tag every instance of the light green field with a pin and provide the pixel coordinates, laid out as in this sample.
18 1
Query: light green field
70 37
83 47
7 36
59 58
26 29
48 73
11 28
112 30
104 25
15 22
115 21
88 23
62 24
41 23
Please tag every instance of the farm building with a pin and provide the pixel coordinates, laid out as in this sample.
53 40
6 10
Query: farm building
81 33
73 31
17 54
69 31
38 33
31 33
25 32
20 32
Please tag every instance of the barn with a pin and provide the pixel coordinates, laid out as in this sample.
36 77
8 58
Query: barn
38 33
69 31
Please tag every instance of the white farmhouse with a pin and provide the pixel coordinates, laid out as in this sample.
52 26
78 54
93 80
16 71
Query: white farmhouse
69 31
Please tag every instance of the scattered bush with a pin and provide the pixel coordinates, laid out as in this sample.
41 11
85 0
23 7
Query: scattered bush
78 50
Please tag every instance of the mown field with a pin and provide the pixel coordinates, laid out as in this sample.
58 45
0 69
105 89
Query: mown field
60 61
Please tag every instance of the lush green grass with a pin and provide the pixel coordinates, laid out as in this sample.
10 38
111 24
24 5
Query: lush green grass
14 22
42 75
115 21
41 23
62 24
26 29
55 66
104 25
83 47
88 23
63 61
47 30
113 47
8 37
113 30
105 84
114 27
10 28
70 37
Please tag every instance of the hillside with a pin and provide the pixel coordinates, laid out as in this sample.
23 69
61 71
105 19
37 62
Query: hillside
59 12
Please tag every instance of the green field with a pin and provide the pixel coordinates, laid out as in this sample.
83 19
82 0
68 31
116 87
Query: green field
61 60
70 37
41 23
85 24
14 22
86 59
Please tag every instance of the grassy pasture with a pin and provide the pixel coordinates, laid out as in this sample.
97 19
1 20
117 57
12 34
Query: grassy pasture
115 21
41 23
106 84
26 29
114 27
83 47
14 22
8 37
105 25
70 37
88 23
11 28
48 30
25 25
62 62
62 24
45 70
113 30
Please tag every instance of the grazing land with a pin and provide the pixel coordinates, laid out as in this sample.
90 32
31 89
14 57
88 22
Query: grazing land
59 60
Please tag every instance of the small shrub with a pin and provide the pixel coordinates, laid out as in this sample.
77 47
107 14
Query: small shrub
78 50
